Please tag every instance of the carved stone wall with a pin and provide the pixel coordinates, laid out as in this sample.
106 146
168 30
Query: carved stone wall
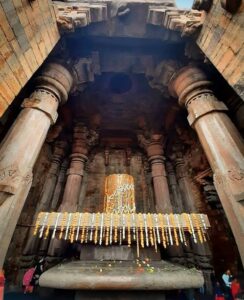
97 171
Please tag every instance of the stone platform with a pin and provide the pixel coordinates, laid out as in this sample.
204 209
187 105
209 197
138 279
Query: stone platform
121 275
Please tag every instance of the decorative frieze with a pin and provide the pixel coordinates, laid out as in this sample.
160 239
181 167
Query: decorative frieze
76 15
184 21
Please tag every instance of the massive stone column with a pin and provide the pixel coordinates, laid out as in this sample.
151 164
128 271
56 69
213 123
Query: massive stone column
220 140
154 148
21 146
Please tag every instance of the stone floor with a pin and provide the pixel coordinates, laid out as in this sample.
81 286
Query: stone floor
46 294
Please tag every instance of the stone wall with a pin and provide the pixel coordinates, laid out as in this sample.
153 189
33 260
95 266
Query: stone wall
221 40
28 32
97 172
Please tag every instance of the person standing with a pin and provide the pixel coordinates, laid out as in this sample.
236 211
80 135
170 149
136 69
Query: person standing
235 288
2 281
227 278
219 295
27 281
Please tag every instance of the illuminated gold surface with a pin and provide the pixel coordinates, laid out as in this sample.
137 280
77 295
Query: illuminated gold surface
119 194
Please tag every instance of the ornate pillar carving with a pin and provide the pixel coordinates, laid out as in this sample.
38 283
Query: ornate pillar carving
47 193
220 140
83 140
184 183
177 199
59 188
21 146
198 254
154 148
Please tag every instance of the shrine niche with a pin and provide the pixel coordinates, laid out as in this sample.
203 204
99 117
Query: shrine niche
106 174
119 194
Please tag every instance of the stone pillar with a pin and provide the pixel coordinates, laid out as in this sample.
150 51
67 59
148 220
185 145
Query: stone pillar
154 149
21 146
177 199
60 148
187 195
220 140
83 140
59 188
201 251
47 193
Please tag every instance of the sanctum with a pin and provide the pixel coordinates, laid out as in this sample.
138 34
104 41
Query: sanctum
122 154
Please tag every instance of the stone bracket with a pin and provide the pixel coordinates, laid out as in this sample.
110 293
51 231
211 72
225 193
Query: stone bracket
42 105
69 17
187 22
206 104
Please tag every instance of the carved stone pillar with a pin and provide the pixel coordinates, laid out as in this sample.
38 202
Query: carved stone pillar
196 254
220 140
21 146
52 177
177 199
154 149
59 188
83 140
47 193
184 184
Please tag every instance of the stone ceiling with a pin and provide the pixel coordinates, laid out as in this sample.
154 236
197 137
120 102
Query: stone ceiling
138 42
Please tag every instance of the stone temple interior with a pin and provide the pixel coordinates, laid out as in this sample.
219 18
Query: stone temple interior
132 75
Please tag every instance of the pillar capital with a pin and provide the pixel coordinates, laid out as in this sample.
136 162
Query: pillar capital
83 139
193 89
153 144
187 83
56 79
59 151
52 86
